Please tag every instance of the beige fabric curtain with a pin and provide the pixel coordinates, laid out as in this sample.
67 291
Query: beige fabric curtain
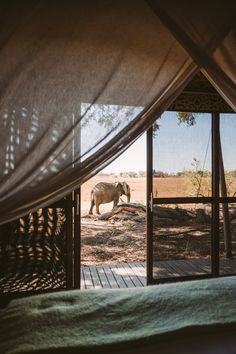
81 80
207 30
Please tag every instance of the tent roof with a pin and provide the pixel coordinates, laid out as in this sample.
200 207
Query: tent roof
200 96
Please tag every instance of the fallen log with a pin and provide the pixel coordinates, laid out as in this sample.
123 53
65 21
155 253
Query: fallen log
105 216
128 208
132 205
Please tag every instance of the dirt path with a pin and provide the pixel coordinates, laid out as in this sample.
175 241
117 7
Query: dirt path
112 241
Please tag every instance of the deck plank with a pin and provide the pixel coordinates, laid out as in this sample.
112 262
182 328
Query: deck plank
118 277
96 280
110 276
124 272
140 271
203 264
134 277
184 268
88 278
134 274
126 279
190 267
227 266
103 277
82 282
162 270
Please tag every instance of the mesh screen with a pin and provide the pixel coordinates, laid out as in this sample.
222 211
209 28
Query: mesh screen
33 252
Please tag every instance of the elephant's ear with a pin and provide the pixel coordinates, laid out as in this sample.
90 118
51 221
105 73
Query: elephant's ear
118 185
126 188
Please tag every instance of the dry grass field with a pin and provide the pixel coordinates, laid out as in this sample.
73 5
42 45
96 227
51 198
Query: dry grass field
137 185
163 187
112 241
183 230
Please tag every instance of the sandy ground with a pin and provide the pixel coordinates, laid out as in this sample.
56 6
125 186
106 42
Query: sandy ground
112 241
121 239
137 186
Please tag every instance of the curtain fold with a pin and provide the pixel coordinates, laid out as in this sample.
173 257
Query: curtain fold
81 80
207 30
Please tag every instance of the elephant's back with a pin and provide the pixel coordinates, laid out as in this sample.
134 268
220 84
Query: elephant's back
103 186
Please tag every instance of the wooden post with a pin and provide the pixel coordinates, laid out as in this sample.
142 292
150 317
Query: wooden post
69 242
215 194
149 215
225 209
76 150
77 238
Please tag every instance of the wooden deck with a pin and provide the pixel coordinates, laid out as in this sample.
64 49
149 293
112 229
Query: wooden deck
186 267
131 275
127 275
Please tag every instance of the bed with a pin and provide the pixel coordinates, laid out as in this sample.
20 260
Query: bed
191 317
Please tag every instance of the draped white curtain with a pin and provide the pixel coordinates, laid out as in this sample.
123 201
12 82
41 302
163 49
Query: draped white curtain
207 30
81 80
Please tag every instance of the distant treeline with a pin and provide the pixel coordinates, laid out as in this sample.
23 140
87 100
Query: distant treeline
187 173
161 174
131 174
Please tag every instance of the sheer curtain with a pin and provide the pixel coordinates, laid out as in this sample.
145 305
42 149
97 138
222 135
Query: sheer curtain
207 30
81 80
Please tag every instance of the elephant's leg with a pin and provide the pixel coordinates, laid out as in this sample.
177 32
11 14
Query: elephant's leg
115 202
91 207
97 207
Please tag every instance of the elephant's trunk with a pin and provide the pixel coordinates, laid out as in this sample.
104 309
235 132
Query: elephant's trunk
128 197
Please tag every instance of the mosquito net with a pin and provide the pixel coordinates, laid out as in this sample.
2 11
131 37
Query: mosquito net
81 80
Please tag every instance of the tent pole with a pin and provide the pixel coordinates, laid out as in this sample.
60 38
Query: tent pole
225 208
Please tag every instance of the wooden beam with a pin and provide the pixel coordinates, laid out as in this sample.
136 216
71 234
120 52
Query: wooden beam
225 208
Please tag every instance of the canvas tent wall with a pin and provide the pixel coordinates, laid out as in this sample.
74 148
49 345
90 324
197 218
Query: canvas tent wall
81 80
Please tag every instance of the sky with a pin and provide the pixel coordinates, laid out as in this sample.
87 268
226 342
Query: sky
175 146
133 159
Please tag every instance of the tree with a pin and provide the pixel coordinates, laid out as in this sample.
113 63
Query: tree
190 119
186 117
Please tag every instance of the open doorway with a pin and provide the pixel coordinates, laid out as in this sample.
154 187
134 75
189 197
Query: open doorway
113 243
191 186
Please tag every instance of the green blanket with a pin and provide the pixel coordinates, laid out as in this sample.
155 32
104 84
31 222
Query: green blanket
98 320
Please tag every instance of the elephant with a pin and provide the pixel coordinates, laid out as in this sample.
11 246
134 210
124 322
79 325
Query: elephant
107 192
